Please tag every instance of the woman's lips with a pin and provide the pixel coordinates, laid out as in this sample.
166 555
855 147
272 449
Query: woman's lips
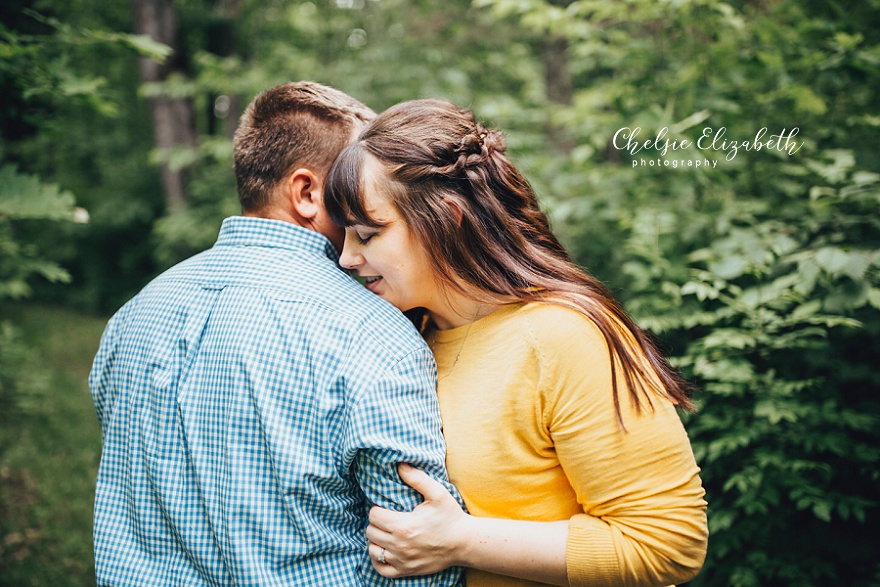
372 281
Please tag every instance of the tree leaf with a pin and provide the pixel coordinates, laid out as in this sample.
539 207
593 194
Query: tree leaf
25 196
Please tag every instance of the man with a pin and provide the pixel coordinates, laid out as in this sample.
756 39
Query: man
255 400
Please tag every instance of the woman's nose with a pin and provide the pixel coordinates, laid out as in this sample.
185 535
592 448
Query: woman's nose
349 258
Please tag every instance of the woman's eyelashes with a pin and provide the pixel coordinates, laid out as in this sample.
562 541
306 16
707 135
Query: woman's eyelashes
363 237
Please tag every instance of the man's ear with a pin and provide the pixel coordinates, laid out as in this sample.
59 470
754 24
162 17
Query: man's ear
302 194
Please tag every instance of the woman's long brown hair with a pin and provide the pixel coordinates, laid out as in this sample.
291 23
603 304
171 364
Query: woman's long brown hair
501 245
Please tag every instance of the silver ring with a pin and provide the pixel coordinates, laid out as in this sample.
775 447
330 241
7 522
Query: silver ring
381 557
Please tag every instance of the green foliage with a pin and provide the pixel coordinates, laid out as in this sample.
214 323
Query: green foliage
439 49
48 467
12 357
70 116
45 504
39 81
758 270
787 436
25 197
45 58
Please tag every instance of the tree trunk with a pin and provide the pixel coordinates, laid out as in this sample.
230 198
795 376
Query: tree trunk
558 83
222 34
559 88
173 120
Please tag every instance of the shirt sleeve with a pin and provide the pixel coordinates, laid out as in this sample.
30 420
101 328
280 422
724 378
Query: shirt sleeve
99 377
644 520
398 421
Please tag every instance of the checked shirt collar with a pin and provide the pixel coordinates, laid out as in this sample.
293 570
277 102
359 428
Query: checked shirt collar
247 231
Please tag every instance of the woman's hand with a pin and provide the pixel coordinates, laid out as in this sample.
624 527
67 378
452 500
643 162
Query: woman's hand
437 534
426 540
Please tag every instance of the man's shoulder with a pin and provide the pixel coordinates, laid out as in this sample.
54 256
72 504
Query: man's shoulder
380 319
373 321
302 288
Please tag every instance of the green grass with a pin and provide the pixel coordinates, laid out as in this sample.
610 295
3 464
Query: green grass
50 460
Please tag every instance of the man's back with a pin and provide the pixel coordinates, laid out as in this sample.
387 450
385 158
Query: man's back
249 398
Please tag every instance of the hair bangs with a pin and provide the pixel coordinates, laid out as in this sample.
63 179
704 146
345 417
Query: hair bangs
343 189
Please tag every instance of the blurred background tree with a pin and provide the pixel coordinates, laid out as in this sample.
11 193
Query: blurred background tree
758 273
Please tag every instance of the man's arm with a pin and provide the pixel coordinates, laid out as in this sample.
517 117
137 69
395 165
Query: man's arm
99 377
397 420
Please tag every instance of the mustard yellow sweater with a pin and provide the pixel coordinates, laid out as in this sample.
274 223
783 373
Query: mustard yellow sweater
531 432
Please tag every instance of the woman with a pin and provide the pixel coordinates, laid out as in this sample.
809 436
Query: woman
559 413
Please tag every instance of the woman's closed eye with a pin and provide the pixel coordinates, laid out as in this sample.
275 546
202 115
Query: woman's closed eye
364 236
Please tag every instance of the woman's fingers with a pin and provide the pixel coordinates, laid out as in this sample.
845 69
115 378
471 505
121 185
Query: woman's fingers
435 494
417 542
377 533
386 520
382 561
380 555
430 489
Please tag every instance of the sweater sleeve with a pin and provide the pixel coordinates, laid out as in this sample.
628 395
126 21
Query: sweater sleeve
644 520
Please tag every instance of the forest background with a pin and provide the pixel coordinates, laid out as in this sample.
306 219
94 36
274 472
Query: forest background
758 271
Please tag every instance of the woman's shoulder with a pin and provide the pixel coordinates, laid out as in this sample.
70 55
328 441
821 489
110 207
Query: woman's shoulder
556 327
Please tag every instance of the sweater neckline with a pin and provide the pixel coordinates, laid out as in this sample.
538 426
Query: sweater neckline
436 336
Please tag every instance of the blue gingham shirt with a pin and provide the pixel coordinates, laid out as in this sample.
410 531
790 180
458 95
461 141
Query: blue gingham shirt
254 402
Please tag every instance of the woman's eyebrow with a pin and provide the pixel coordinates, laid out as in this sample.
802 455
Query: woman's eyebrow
368 222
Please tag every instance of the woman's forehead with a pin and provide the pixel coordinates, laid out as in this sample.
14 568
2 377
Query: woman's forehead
373 206
376 188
